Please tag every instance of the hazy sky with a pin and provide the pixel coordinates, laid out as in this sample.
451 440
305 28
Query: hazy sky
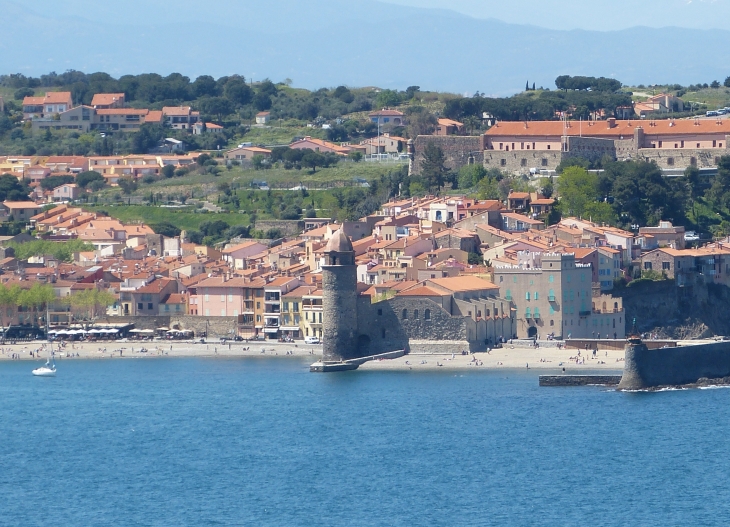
592 14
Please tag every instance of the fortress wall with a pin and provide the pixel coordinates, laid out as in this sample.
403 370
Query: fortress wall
458 150
651 368
521 161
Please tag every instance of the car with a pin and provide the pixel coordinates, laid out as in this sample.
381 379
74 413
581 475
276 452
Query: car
238 338
311 340
691 236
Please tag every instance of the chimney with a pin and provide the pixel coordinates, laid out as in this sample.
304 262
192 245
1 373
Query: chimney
612 122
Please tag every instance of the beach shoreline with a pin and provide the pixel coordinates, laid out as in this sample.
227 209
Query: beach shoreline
507 358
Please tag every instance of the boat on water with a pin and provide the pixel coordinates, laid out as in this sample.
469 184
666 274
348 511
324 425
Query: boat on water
47 370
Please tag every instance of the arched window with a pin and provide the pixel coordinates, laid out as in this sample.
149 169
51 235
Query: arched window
615 306
427 314
415 314
604 307
405 314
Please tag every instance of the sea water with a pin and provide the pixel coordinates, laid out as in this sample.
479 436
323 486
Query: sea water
264 442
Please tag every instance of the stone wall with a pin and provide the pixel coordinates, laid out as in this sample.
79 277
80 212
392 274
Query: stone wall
458 150
651 368
590 148
287 227
682 158
521 161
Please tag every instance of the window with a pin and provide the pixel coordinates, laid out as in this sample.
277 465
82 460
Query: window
551 279
552 322
223 312
523 162
258 317
140 305
206 297
647 266
508 295
149 305
527 296
230 297
415 314
258 304
528 314
427 314
537 312
296 307
382 333
503 162
536 296
665 266
544 162
670 161
223 298
207 313
404 316
380 312
501 279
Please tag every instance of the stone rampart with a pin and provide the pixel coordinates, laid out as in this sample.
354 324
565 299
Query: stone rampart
646 368
287 227
458 150
682 158
521 161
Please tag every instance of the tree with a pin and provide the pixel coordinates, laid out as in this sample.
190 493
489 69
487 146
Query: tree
11 189
715 84
166 229
52 182
313 160
262 101
387 98
8 299
355 155
475 259
90 303
727 82
433 168
36 297
168 171
577 188
205 86
127 184
217 106
470 175
85 178
488 188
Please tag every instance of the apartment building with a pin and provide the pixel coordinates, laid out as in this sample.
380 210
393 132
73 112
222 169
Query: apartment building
553 295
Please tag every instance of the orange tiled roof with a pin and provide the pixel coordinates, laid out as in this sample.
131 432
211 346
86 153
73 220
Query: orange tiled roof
601 128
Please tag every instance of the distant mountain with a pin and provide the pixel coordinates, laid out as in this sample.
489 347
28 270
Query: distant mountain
328 42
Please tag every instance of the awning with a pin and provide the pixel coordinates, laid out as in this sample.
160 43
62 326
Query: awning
288 328
271 330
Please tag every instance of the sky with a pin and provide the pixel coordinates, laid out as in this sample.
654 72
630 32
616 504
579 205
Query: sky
597 15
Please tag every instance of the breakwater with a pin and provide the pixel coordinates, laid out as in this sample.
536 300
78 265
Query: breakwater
579 380
646 368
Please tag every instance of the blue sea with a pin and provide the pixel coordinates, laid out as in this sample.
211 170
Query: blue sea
264 442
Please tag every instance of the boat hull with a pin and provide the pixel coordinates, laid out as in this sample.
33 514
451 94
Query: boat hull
44 372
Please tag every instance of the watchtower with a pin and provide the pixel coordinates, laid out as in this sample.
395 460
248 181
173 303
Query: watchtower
339 299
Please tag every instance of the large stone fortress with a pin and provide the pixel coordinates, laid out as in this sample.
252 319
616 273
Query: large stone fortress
531 146
442 315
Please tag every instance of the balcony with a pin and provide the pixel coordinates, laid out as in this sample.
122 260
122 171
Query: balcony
551 298
583 314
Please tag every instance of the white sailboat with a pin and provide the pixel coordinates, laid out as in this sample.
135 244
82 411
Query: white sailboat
49 368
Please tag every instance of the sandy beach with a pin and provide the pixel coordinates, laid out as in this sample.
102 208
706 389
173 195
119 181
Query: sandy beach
156 349
507 358
504 358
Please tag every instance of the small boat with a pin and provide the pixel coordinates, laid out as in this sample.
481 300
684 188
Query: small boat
47 370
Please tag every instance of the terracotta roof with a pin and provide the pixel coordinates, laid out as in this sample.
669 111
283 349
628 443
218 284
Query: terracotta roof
56 97
450 122
105 99
122 111
602 129
386 113
422 290
176 110
33 101
463 283
153 116
240 246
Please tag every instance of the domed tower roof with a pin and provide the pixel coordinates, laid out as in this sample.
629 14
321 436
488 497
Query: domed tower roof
339 243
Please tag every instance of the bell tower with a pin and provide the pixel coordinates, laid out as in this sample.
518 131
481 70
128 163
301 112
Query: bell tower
339 299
